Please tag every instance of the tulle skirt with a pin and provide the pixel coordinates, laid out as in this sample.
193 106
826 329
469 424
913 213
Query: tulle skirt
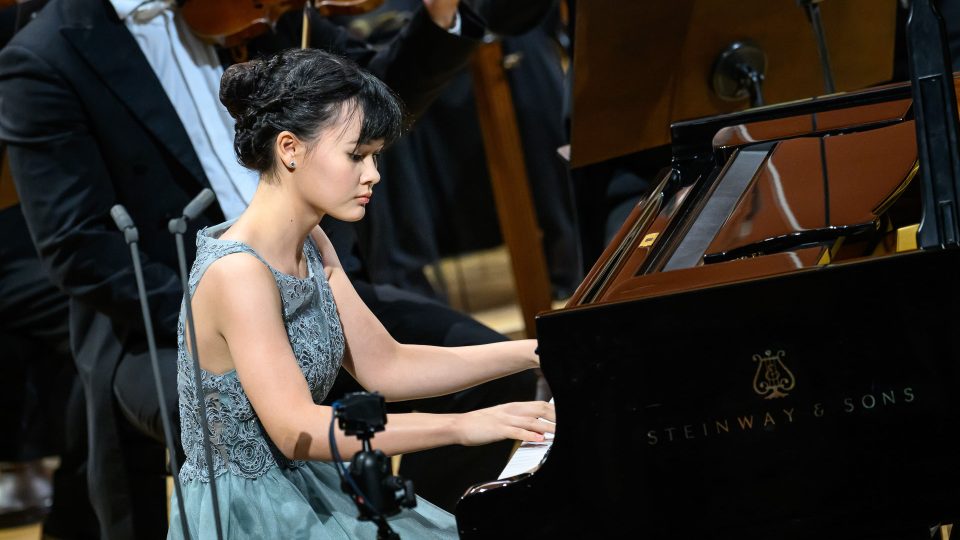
301 503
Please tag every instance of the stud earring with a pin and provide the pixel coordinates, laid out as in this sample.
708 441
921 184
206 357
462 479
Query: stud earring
293 164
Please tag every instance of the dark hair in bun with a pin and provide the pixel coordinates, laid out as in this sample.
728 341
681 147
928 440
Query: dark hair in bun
302 91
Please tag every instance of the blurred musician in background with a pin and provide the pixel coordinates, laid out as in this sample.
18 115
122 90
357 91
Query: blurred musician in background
41 401
437 199
33 335
115 102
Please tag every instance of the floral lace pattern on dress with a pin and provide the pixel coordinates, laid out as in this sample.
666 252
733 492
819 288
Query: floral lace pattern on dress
239 442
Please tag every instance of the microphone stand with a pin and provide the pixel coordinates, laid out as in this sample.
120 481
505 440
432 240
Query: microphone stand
812 9
132 237
177 227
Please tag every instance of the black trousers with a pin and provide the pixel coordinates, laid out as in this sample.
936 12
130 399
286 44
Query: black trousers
440 475
33 347
142 435
41 399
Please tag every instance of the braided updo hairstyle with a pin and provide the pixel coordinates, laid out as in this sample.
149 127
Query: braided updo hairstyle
303 92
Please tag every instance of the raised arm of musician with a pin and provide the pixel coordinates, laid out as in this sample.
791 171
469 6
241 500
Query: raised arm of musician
442 12
417 64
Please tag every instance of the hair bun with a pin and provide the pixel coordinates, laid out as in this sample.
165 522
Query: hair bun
303 92
237 87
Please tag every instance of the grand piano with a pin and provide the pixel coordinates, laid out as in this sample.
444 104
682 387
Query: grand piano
766 348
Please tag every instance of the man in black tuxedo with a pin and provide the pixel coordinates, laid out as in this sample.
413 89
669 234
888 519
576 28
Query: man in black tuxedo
88 126
41 401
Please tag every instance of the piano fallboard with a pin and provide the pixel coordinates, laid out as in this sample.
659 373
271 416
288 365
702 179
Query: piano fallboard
807 405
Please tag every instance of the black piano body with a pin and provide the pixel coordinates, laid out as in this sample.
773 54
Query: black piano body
803 386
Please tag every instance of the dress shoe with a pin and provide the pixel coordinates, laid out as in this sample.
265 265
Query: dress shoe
25 493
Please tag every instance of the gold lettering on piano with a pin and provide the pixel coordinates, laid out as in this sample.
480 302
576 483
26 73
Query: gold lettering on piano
701 430
868 402
773 378
648 240
768 421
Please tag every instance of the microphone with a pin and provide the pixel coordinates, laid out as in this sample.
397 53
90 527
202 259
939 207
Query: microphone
124 223
199 203
812 9
177 227
190 212
131 235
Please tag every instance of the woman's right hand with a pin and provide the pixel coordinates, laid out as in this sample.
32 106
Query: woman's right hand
522 421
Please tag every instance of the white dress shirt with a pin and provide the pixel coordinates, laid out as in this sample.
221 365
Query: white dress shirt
189 72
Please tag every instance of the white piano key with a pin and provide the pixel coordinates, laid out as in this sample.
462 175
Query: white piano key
528 456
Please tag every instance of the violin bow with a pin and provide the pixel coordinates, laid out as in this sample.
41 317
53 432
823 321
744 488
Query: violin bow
305 33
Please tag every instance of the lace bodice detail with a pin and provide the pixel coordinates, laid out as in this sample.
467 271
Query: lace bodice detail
239 442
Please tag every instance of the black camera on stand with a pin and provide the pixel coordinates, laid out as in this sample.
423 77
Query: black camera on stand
377 493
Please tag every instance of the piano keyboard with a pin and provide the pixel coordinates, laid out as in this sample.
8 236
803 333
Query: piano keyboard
528 456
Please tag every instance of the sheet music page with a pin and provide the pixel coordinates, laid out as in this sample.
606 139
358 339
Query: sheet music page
528 456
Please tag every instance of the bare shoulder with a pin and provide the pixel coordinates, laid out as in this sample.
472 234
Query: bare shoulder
239 280
238 268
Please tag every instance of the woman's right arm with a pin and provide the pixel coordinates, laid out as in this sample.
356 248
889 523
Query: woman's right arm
242 296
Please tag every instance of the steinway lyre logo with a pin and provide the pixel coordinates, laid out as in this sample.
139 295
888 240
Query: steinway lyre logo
773 378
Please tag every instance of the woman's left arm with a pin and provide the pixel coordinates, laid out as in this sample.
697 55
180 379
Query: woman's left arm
402 372
419 371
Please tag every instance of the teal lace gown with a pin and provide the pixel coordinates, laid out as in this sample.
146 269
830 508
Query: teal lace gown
261 494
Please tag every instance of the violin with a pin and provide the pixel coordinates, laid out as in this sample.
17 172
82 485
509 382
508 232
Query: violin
11 3
231 23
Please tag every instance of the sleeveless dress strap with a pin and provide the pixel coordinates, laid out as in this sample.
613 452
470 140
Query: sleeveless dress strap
210 250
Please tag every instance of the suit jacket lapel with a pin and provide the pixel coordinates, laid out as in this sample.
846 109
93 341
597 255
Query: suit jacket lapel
106 45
